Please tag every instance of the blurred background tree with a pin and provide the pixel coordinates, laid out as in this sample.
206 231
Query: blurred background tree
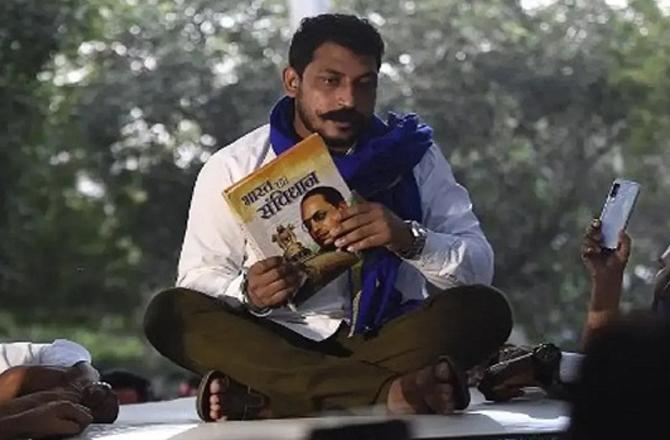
109 108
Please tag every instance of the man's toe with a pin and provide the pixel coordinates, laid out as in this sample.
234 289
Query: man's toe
443 371
215 411
216 386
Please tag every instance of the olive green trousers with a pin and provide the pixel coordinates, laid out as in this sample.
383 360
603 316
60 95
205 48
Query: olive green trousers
303 377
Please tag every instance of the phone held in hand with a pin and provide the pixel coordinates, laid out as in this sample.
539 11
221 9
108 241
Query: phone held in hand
617 210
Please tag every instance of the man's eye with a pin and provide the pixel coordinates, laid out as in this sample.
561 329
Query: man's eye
319 216
367 83
330 81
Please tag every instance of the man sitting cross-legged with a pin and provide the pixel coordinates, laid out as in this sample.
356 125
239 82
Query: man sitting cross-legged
398 346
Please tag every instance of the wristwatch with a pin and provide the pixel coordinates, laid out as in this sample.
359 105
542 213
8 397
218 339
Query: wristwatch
413 252
251 308
542 363
546 359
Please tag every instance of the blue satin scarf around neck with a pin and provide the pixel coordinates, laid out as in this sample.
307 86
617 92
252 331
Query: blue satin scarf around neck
380 169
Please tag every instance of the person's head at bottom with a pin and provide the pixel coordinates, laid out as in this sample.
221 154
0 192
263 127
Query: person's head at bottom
128 386
624 378
188 386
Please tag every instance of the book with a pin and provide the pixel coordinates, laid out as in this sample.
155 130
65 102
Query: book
286 209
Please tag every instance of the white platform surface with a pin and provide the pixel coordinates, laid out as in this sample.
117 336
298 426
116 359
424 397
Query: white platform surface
177 420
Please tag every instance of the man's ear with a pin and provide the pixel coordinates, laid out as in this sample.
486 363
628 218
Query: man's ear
291 81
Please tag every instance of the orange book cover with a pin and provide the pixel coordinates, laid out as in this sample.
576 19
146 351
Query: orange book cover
286 207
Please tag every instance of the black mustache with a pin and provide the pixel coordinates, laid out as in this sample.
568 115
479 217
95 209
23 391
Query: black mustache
343 116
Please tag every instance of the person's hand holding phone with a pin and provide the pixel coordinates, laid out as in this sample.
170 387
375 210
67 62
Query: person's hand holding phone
604 265
605 252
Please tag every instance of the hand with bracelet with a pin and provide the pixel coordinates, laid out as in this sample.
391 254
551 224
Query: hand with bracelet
270 283
80 379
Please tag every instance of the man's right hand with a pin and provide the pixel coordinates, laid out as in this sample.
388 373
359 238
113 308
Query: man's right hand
103 403
53 418
272 283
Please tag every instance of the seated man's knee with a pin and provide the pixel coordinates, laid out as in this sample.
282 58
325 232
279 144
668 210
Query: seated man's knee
485 307
161 317
497 310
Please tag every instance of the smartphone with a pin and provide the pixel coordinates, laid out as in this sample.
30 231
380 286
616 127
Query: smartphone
617 210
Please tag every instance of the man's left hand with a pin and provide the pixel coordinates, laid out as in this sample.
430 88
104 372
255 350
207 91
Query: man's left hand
81 374
367 225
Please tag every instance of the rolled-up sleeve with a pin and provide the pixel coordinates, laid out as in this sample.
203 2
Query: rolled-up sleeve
59 353
213 249
456 250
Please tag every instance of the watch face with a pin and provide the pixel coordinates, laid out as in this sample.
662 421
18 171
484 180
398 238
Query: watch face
418 241
547 353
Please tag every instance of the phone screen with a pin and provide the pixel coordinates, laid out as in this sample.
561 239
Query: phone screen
617 210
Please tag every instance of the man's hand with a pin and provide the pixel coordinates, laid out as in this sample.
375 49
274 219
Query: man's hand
53 418
103 403
33 400
367 225
272 283
511 387
81 374
606 269
603 264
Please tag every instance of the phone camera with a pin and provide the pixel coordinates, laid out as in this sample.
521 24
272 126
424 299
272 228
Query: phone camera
615 190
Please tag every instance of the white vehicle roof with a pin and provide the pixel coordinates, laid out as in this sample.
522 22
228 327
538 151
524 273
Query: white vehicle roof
533 415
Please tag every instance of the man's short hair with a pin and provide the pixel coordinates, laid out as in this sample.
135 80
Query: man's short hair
330 195
354 33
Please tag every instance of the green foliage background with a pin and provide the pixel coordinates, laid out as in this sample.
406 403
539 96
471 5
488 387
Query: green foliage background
109 108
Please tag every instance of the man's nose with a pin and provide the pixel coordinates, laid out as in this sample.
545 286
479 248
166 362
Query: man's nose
346 97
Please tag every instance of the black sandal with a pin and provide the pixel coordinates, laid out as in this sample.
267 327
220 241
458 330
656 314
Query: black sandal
239 401
459 382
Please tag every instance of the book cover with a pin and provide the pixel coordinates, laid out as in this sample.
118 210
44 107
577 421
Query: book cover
286 208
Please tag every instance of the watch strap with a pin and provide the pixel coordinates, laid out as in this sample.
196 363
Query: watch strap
413 252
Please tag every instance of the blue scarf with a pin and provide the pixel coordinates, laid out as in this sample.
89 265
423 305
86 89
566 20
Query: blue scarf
380 170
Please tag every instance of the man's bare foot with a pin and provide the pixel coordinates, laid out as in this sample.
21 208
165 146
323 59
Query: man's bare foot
216 389
429 390
219 399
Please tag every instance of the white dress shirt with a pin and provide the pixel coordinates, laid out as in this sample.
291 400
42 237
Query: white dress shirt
215 252
59 353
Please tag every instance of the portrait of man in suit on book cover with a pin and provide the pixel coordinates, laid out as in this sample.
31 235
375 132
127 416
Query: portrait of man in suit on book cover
319 208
